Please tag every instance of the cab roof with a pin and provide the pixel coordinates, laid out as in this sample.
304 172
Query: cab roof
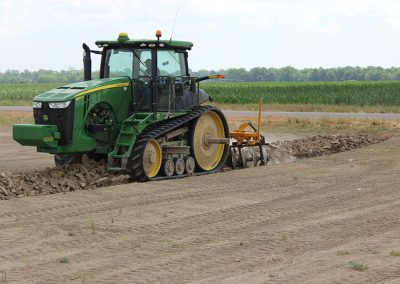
124 40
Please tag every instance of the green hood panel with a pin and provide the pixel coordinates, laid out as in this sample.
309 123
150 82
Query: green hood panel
71 91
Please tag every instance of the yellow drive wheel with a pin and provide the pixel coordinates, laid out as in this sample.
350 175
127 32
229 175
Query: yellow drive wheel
152 158
208 155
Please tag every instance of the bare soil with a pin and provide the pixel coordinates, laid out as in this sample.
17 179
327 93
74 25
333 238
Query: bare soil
91 174
311 221
13 157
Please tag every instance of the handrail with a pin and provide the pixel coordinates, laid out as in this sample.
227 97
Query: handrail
259 120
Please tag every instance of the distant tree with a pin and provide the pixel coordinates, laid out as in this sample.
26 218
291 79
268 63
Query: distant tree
256 74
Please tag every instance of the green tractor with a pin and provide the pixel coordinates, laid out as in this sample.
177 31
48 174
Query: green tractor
145 115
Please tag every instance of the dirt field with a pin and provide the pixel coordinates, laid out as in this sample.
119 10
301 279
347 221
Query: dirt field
13 157
331 219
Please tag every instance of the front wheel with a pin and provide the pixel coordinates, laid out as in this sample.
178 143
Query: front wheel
146 160
152 158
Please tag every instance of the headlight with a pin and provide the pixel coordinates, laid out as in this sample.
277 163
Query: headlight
59 105
37 104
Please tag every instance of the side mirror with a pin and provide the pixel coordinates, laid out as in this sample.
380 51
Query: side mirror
193 85
179 89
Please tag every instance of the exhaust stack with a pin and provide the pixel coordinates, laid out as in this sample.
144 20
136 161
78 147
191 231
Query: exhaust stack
87 63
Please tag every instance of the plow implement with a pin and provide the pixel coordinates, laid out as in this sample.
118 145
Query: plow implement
248 148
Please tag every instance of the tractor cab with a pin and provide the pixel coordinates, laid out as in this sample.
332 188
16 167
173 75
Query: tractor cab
157 70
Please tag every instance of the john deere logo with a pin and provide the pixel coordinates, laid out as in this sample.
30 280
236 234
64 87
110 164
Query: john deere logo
45 117
48 139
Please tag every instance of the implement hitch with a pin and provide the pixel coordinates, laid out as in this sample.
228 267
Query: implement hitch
242 149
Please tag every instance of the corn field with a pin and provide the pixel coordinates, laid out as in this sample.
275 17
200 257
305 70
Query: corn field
23 92
385 93
379 93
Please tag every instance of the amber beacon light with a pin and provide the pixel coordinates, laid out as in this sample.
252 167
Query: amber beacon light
219 76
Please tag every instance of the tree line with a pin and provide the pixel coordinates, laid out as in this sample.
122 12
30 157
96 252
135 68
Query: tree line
290 74
43 76
256 74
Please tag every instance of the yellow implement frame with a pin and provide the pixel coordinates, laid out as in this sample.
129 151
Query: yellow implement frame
248 137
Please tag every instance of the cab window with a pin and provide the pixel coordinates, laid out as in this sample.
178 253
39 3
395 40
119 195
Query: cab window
171 63
119 63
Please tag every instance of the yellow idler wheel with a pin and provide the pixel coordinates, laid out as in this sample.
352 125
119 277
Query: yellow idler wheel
207 155
152 158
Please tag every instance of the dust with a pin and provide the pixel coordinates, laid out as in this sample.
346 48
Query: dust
277 155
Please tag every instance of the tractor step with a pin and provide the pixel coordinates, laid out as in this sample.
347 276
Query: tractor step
123 144
130 129
117 164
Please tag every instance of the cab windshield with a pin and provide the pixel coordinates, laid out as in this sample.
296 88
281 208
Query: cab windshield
136 63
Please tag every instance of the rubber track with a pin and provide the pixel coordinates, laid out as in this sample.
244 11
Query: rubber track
135 163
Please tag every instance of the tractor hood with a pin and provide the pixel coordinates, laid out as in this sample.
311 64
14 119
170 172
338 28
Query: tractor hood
76 90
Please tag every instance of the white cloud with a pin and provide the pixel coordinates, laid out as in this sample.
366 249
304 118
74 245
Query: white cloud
12 22
236 33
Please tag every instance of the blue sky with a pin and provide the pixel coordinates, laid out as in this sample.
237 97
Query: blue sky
48 34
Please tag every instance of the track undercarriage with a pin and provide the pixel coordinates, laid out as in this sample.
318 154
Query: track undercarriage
196 142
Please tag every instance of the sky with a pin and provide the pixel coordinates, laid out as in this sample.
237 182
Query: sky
48 34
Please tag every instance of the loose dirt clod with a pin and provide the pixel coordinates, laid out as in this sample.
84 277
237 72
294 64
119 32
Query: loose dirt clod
324 145
91 174
3 190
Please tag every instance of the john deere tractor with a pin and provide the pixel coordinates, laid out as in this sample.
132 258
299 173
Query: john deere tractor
144 115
